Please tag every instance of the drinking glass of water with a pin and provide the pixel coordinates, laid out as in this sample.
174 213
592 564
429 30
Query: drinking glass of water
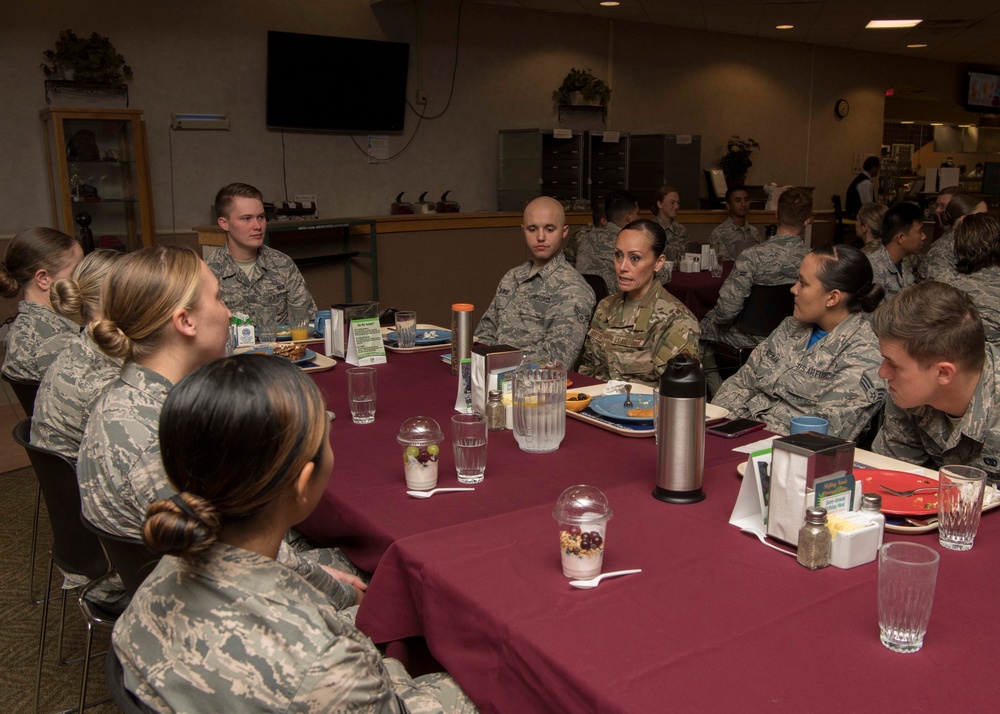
469 444
361 393
406 328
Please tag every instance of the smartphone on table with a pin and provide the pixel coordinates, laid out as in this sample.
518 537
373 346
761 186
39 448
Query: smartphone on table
732 428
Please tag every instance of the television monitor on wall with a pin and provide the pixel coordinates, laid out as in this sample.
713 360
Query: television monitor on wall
982 92
322 83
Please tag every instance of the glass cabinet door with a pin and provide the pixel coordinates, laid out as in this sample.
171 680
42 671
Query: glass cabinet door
99 176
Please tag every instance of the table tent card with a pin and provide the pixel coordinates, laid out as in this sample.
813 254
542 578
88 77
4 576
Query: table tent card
364 343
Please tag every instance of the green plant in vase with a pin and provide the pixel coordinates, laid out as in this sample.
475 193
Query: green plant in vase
580 86
737 160
93 59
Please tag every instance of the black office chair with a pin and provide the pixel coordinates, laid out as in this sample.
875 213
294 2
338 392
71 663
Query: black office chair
763 311
26 390
597 284
114 675
130 557
867 436
74 549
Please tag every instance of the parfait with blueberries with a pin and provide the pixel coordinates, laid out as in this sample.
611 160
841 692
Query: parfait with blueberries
420 438
582 513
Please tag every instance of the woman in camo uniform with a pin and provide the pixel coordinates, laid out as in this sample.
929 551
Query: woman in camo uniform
34 261
221 625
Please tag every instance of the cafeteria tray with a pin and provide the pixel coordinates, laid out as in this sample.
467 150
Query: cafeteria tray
633 430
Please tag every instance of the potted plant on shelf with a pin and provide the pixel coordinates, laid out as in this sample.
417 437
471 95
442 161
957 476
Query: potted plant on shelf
581 87
736 162
92 60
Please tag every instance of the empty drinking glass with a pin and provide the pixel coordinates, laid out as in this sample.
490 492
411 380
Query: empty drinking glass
469 445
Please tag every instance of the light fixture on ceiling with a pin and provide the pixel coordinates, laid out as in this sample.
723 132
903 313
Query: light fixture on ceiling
906 122
610 3
937 123
916 46
784 27
891 24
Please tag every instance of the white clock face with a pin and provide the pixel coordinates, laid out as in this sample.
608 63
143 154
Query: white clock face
841 108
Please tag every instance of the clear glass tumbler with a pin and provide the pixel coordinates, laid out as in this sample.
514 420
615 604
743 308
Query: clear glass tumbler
960 504
907 575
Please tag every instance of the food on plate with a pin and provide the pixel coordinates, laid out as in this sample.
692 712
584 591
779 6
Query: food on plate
640 413
290 351
577 402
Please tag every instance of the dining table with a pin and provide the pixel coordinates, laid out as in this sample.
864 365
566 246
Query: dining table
714 622
698 291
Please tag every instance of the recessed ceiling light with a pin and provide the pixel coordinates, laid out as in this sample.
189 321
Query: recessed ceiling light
783 27
906 122
889 24
937 123
610 3
916 46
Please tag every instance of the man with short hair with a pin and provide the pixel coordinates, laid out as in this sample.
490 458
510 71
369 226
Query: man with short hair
727 237
251 274
598 220
597 249
942 251
862 189
542 306
943 379
902 236
775 262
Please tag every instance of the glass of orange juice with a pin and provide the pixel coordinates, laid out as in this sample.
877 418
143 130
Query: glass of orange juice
298 322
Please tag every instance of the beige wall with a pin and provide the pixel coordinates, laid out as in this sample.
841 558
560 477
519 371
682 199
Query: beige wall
209 57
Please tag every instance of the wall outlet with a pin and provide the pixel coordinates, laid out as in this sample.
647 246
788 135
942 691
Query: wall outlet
420 96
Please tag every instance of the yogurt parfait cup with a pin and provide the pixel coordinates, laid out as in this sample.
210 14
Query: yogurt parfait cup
420 438
582 513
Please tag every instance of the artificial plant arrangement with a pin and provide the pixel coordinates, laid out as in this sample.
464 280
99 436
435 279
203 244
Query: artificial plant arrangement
93 59
581 87
736 162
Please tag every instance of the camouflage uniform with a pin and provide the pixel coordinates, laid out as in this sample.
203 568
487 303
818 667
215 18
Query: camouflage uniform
121 472
572 247
632 340
940 260
983 286
726 237
837 378
677 236
887 274
545 314
923 435
597 255
67 393
237 632
274 282
871 246
775 262
35 339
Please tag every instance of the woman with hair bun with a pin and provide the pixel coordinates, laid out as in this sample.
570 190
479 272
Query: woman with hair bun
823 360
868 227
81 371
163 315
221 624
35 259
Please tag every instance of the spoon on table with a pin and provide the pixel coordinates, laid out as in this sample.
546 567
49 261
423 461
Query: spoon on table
428 494
593 582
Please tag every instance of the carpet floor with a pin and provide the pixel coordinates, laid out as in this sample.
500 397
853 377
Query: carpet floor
21 621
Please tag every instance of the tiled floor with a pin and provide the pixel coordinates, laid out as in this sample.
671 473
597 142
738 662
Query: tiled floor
12 456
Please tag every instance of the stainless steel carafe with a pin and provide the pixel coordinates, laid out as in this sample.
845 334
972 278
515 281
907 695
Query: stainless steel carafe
680 432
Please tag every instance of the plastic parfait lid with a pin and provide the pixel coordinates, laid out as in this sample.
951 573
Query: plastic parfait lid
420 431
463 307
581 504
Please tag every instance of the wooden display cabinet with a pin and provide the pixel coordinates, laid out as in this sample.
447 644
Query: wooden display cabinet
98 165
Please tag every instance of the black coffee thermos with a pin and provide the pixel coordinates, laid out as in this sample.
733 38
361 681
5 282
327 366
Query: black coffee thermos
680 432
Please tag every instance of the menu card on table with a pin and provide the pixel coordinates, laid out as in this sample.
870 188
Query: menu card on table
364 343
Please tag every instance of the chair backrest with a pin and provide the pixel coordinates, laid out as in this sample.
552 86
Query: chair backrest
74 548
132 560
765 308
114 674
597 284
25 390
838 208
715 182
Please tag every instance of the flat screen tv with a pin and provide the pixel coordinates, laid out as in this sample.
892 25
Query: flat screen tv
321 83
982 92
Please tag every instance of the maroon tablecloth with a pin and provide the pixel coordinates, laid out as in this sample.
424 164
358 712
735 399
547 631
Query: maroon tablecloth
698 291
715 621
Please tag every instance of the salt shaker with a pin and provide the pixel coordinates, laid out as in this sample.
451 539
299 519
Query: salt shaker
814 540
871 506
496 412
